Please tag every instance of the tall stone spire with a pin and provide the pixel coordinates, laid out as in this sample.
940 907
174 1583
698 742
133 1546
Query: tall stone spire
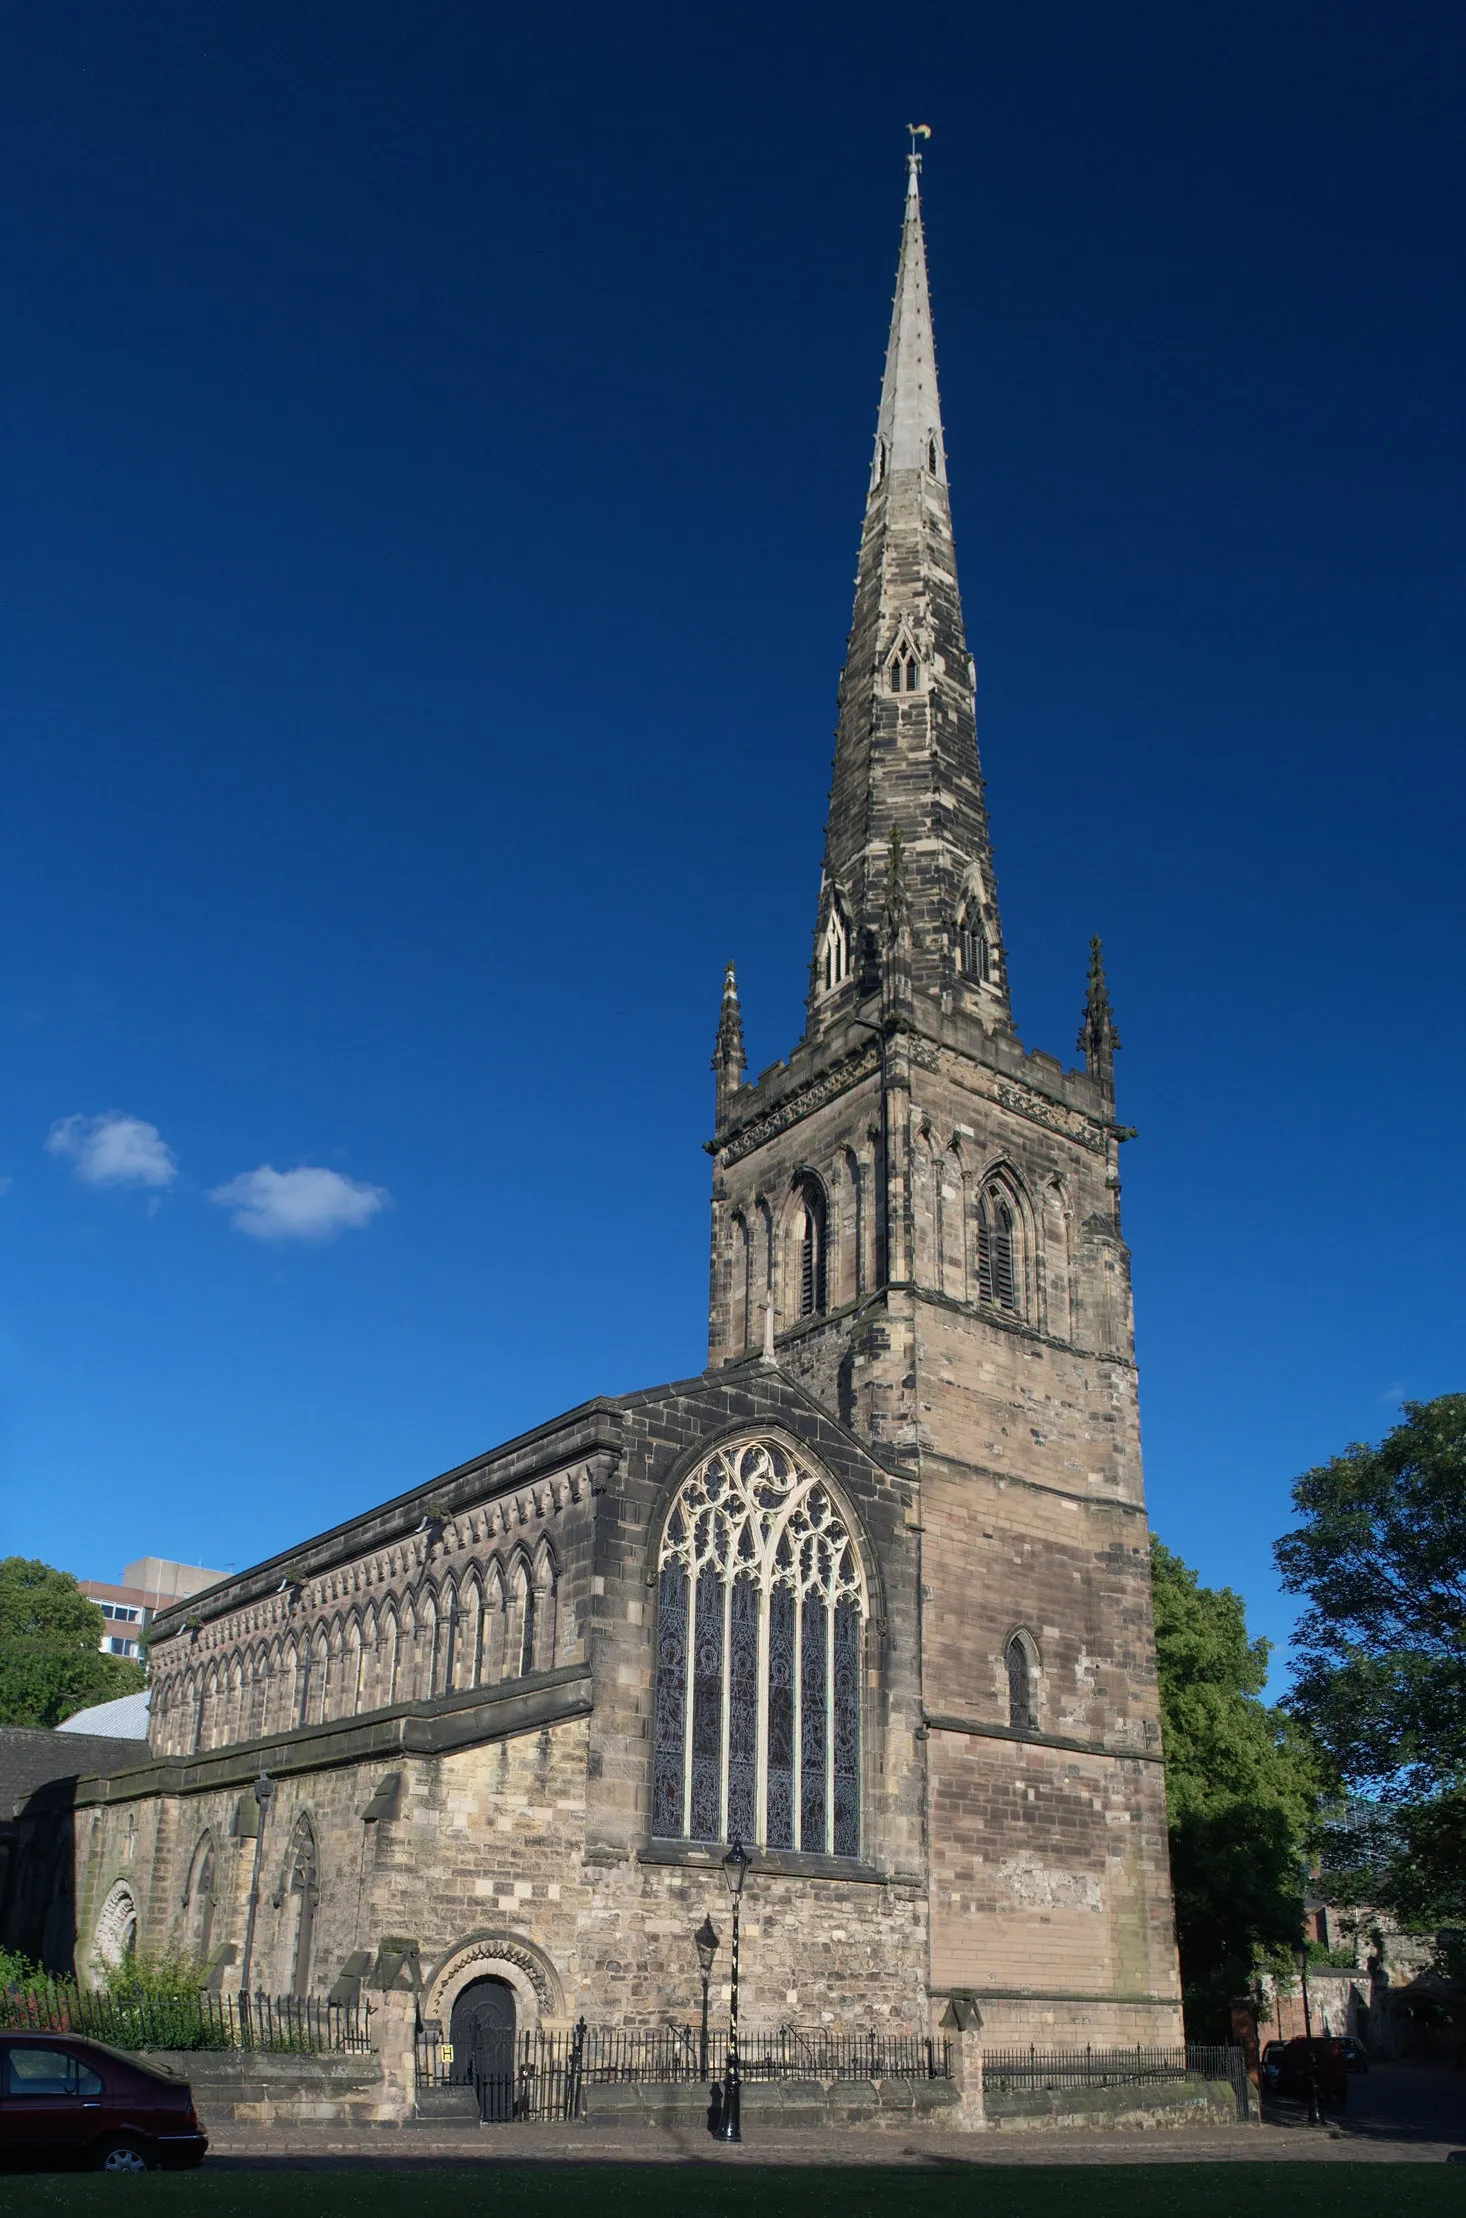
906 749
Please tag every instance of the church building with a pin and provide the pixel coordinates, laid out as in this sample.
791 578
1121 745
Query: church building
870 1595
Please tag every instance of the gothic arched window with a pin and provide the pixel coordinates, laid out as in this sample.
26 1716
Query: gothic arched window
759 1641
974 950
808 1252
1022 1662
835 949
903 671
1001 1276
931 456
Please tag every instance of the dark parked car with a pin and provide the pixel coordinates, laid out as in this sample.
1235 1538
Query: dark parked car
1356 2058
1320 2061
66 2102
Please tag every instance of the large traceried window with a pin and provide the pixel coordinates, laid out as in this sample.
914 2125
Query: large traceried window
759 1658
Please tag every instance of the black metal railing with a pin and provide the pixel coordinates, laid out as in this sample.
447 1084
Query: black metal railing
671 2053
284 2025
541 2075
1013 2069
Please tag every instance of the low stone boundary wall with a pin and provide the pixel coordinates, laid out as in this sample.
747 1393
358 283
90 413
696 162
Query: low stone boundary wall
1179 2102
252 2087
893 2103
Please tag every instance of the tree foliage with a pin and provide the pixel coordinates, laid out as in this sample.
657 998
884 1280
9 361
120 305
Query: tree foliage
1242 1790
50 1662
1381 1557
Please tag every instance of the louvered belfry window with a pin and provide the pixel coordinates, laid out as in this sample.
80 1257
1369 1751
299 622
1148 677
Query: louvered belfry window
974 950
809 1233
903 671
759 1642
999 1261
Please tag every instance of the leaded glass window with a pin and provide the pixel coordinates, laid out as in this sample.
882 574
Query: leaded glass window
759 1645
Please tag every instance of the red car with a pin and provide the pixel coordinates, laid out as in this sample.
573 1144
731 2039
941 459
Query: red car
66 2102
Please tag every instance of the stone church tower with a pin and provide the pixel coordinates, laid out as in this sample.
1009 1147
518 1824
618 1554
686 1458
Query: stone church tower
919 1221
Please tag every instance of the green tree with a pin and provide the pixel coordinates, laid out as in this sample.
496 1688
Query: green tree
1242 1789
1381 1557
50 1663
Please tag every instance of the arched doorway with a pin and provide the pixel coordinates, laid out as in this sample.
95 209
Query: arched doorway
482 2030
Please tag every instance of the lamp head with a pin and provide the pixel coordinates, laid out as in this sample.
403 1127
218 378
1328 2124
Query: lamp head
735 1868
705 1941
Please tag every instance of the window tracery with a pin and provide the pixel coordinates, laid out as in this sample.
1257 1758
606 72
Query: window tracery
835 948
903 671
759 1639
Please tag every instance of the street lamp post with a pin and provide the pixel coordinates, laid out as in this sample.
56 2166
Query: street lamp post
1313 2117
264 1792
705 1941
735 1870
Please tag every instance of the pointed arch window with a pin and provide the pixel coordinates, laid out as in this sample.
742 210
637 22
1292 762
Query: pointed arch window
301 1886
759 1645
1021 1660
903 671
1001 1275
835 948
931 455
809 1245
974 949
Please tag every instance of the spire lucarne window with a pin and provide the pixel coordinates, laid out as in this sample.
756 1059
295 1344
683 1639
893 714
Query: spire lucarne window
759 1643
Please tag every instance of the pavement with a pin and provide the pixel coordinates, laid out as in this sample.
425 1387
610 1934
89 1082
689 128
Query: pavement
1395 2114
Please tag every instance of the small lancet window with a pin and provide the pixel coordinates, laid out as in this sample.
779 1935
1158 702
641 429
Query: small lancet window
903 671
835 951
973 946
931 456
880 461
1022 1684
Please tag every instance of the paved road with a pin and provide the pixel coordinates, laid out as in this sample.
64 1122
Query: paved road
1398 2103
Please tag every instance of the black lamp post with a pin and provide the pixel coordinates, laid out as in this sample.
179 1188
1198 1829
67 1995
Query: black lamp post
1313 2116
705 1941
735 1870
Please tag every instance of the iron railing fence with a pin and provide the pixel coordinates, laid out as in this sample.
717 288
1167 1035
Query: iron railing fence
1015 2068
298 2025
541 2075
671 2053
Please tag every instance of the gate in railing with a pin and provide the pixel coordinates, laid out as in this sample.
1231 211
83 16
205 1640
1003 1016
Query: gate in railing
530 2076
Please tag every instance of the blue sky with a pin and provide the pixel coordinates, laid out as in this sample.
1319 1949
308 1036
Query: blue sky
434 446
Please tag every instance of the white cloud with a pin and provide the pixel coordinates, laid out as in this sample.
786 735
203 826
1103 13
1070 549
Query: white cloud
114 1151
305 1204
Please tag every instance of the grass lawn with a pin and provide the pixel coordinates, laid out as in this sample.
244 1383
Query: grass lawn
716 2191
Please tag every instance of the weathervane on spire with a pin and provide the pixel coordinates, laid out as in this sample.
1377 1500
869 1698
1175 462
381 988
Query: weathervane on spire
918 131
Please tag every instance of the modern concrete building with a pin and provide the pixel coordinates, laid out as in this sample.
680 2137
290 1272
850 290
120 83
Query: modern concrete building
151 1584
